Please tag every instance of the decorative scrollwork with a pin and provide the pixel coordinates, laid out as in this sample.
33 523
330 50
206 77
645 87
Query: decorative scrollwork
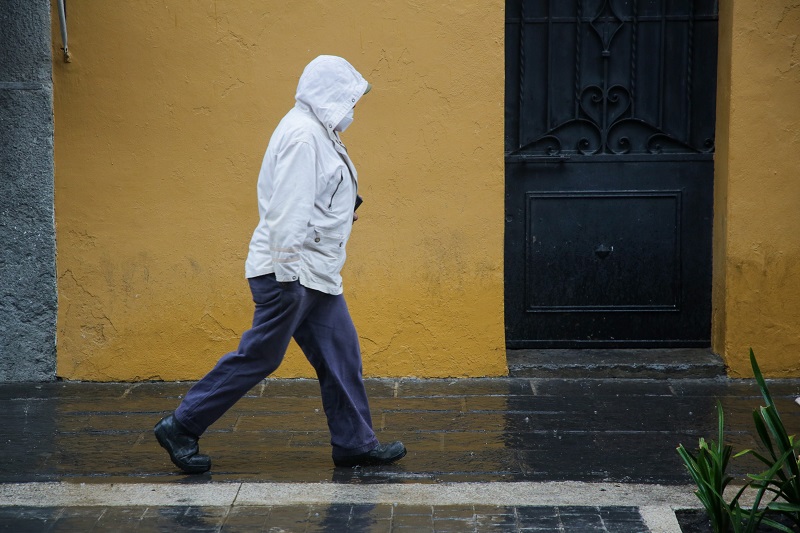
572 137
606 23
618 101
591 99
635 136
663 143
549 145
605 107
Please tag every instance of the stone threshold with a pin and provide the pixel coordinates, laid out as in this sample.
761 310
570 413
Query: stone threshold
642 363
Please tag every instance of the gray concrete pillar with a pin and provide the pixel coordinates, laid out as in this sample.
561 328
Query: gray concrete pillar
28 297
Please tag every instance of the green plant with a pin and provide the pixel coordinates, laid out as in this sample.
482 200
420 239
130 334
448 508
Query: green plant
750 520
783 475
709 470
781 480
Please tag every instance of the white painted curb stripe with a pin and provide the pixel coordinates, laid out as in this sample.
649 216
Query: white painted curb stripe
60 494
660 519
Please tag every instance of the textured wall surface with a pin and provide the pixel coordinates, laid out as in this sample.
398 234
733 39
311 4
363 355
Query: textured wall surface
757 211
162 119
27 233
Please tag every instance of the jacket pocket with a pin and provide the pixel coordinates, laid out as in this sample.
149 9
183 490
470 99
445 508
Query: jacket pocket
327 252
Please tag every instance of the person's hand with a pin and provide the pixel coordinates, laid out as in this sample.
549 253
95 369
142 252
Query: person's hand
355 216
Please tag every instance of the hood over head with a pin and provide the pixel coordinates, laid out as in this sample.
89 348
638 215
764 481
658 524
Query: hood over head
330 87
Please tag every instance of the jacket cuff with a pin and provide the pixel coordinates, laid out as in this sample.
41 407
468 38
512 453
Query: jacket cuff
287 272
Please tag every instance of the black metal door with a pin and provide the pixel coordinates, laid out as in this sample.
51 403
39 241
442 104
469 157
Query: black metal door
610 110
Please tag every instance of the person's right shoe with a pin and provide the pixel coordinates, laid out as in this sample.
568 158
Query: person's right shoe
182 446
379 455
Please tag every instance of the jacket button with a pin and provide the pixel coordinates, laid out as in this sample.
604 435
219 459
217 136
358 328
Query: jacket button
316 240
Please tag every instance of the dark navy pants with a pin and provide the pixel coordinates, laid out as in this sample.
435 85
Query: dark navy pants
321 325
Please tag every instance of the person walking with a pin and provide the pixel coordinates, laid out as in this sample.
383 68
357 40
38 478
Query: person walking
307 196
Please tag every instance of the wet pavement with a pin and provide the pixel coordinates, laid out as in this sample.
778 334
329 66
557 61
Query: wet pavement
331 518
506 433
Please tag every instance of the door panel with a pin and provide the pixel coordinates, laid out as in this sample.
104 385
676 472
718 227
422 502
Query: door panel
599 262
609 172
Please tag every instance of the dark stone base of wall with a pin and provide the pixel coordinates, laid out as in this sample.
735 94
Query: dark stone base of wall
28 297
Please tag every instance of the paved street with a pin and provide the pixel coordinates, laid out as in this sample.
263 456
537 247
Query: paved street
515 454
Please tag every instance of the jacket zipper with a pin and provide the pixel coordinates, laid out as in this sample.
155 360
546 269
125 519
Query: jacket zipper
341 179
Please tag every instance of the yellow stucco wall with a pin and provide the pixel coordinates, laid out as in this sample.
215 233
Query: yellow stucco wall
161 123
757 208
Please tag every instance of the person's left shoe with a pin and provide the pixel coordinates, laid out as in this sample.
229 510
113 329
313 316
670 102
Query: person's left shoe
379 455
182 446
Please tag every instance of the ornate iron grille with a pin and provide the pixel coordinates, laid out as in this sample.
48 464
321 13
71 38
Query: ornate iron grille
611 77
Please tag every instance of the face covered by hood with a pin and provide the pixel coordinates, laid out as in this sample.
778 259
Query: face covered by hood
330 87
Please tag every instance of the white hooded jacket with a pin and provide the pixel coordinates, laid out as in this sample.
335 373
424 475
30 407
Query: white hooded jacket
307 184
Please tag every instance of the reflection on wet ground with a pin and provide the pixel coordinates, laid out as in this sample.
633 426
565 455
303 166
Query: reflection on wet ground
617 430
327 519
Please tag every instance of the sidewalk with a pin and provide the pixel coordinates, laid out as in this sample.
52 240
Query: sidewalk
578 455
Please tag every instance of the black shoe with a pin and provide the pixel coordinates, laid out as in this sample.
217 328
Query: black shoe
379 455
182 446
